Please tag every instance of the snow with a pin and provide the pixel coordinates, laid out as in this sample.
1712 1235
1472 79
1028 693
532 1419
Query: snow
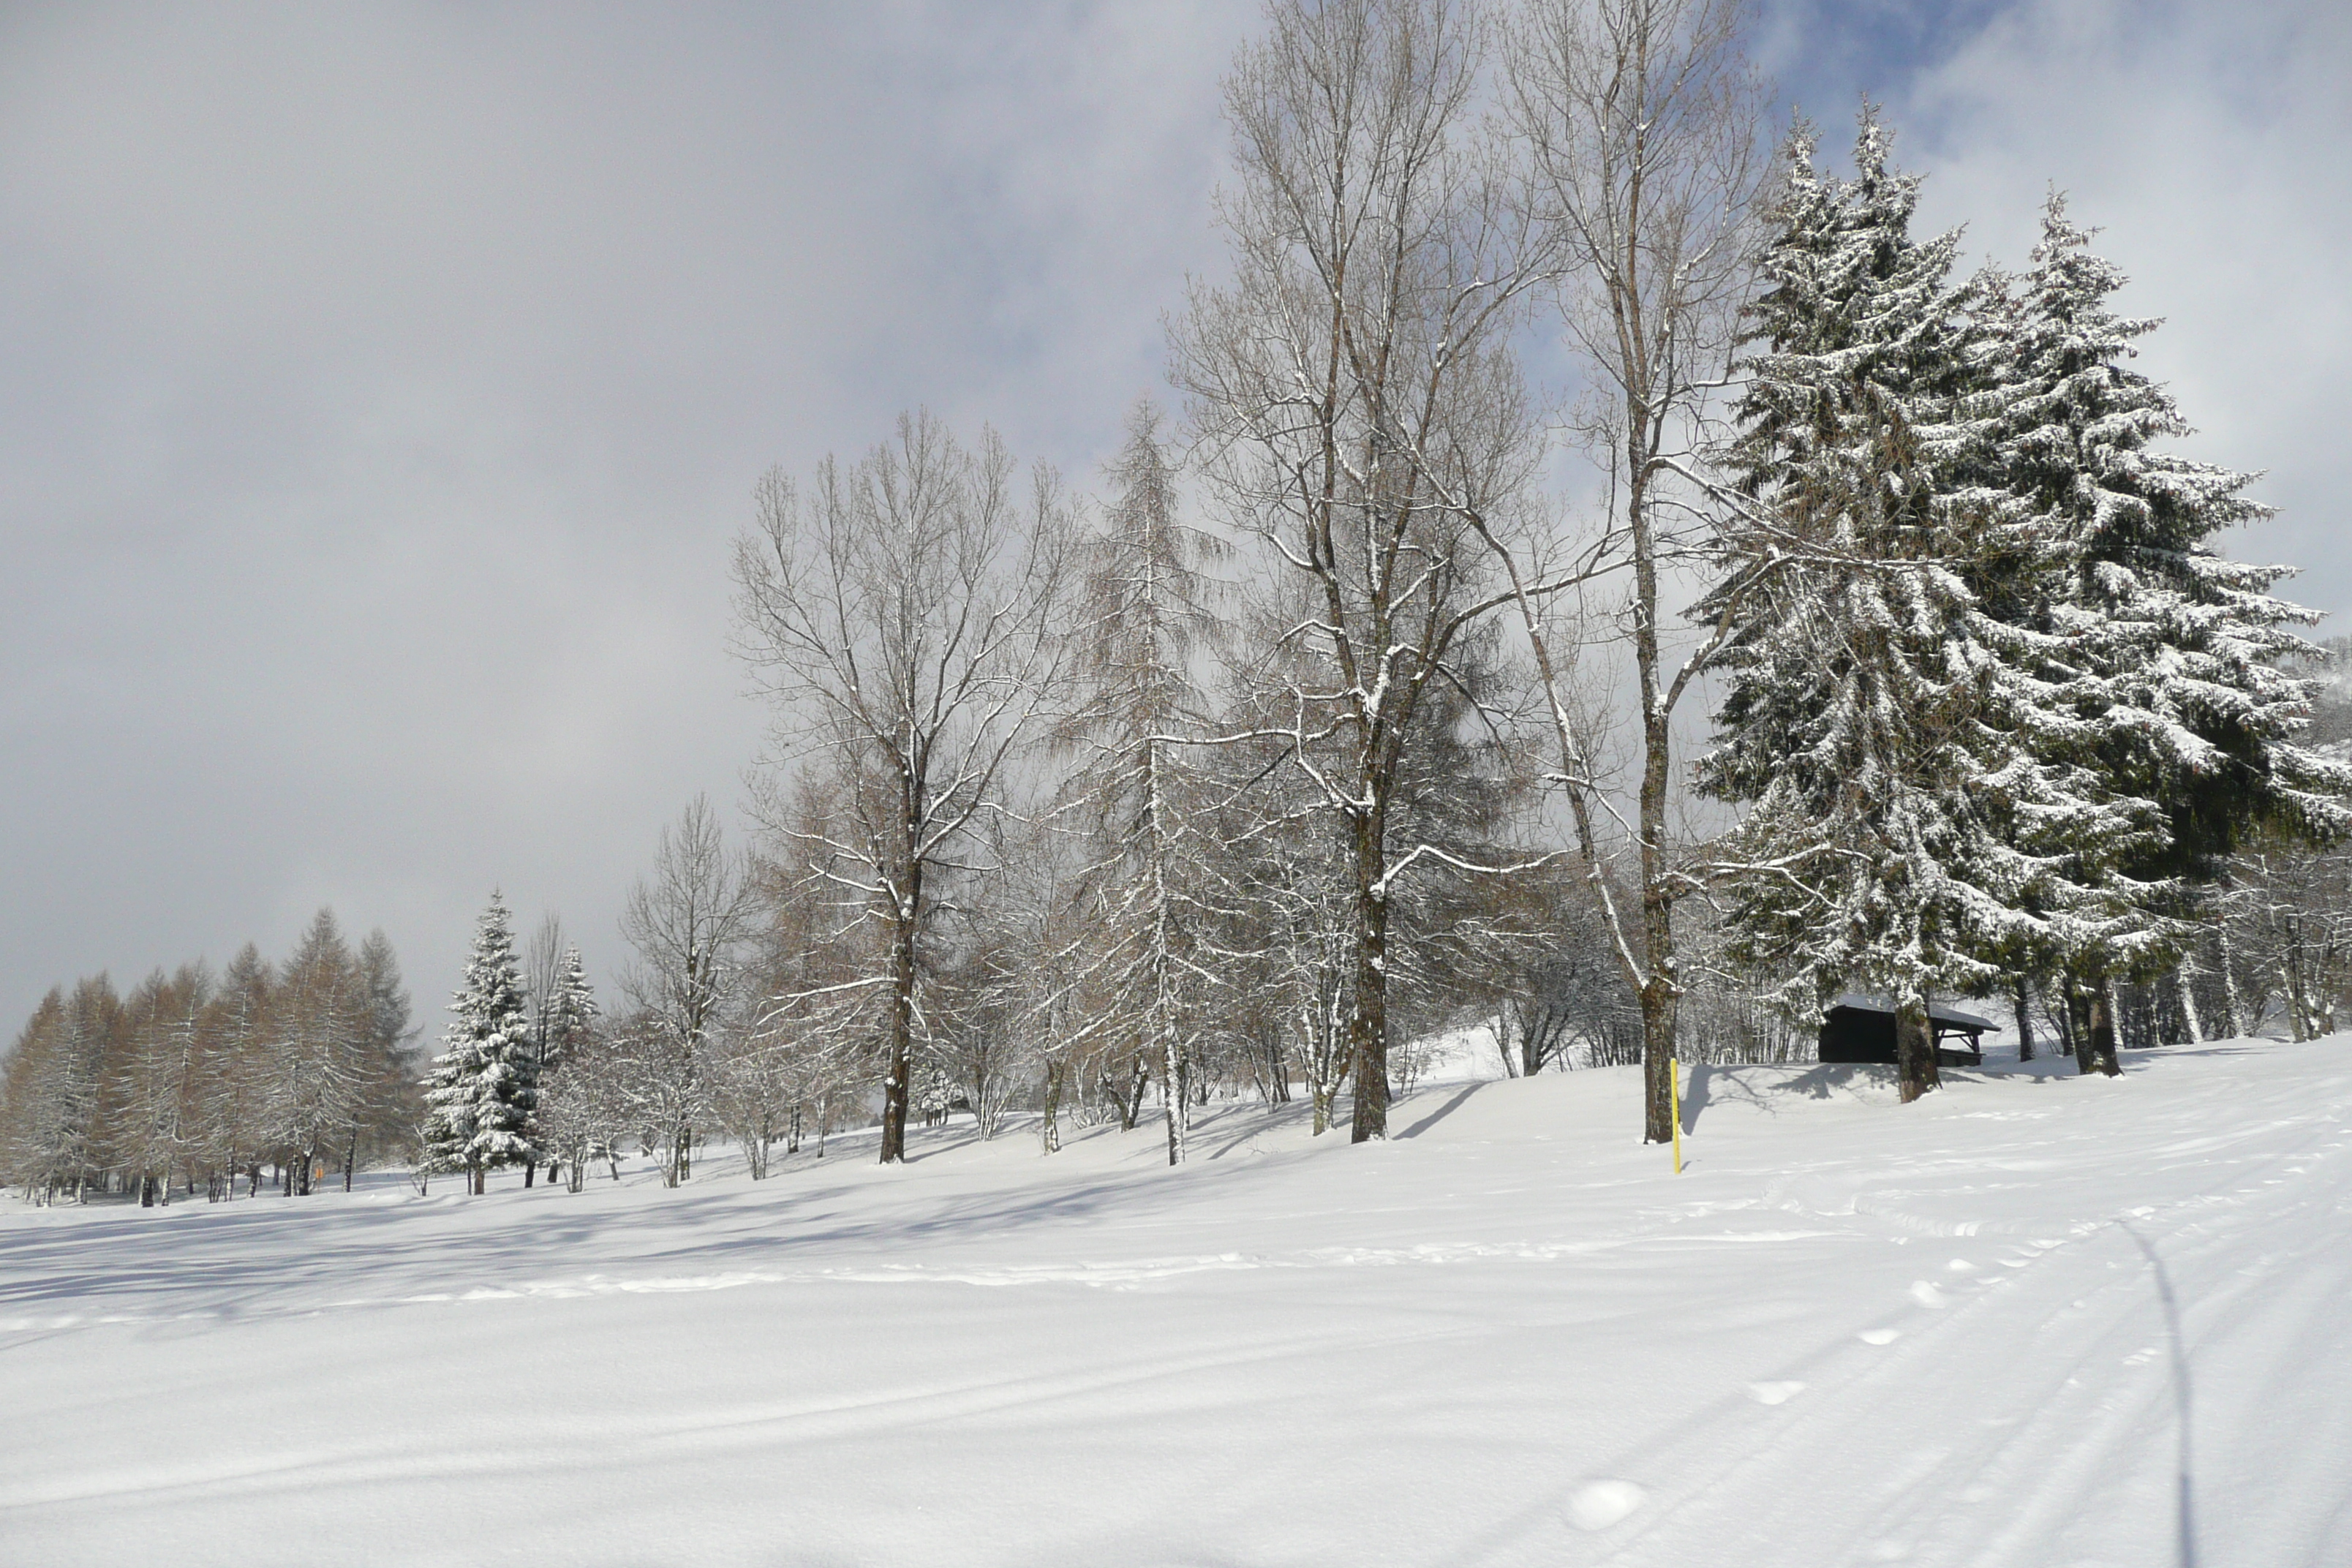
1966 1331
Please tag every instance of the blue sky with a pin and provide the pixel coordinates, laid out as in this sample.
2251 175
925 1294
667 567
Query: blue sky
380 389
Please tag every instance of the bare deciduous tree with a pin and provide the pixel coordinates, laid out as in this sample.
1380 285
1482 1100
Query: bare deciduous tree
1359 409
901 614
1640 122
688 925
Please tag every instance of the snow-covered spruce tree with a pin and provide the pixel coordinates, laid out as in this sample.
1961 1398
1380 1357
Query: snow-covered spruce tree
1910 830
2169 656
482 1088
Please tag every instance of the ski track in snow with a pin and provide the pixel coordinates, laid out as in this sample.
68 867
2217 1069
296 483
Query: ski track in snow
1969 1331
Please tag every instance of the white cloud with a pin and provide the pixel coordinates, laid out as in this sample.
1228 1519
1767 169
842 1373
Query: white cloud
385 387
2208 143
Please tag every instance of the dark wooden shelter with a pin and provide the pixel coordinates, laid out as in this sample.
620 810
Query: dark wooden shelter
1861 1028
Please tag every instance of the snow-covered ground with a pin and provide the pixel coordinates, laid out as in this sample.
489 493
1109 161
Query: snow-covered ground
2015 1325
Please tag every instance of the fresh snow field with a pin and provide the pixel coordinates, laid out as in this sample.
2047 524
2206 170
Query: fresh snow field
2014 1324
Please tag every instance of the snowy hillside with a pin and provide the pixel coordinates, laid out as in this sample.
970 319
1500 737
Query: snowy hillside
1970 1331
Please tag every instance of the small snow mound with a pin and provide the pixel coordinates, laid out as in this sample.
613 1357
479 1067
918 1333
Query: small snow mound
1597 1505
1774 1393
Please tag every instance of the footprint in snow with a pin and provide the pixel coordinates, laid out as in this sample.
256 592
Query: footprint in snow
1880 1336
1597 1505
1774 1393
1927 1295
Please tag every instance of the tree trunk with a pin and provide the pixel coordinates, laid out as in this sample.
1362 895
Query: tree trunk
1659 989
895 1086
2185 982
1049 1126
1175 1105
1660 1004
1130 1101
2096 1052
2024 1019
1915 1048
1367 1015
2239 1026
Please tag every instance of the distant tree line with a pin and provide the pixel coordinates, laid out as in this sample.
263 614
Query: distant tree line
201 1081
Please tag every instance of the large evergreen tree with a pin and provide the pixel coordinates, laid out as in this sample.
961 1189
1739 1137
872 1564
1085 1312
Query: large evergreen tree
483 1086
2168 657
1907 831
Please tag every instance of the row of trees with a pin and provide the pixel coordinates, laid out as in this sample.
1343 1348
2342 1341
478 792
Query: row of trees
1991 707
1066 802
531 1073
201 1078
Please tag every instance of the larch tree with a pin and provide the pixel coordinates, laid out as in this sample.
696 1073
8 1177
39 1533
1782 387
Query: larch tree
386 1066
321 1067
236 1063
152 1088
47 1097
1145 624
814 1010
542 958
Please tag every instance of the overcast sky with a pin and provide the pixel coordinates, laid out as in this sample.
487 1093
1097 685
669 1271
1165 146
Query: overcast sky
380 387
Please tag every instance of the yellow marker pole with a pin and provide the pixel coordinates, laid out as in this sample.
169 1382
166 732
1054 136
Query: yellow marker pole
1674 1093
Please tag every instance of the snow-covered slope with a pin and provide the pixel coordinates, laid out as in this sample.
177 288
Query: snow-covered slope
1969 1331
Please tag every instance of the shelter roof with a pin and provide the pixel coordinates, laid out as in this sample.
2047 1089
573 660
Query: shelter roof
1879 1002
